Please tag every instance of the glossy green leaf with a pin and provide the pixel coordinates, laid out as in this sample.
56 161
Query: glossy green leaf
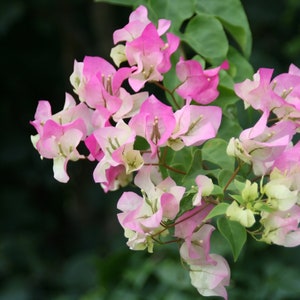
238 198
218 192
140 143
186 204
195 168
214 151
205 35
229 127
218 210
178 163
175 10
227 98
233 17
171 81
224 178
240 68
234 233
240 185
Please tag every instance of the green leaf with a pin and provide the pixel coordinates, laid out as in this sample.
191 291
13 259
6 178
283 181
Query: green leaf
240 68
232 15
218 210
195 168
240 185
171 81
217 191
238 198
181 160
211 172
206 36
234 233
175 10
140 143
226 80
186 203
262 206
223 178
229 127
215 151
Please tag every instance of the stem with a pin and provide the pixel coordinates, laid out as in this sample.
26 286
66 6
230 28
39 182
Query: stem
166 226
186 218
173 169
232 177
164 154
162 162
164 243
168 91
167 167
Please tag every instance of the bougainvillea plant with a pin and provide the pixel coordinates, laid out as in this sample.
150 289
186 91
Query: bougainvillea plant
164 115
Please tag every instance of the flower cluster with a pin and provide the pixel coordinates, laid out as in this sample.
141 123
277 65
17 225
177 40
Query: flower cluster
128 132
271 147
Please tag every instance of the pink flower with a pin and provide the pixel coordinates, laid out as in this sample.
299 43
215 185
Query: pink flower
116 142
143 214
100 118
209 273
98 83
68 114
261 145
210 280
59 143
198 84
144 49
194 125
195 249
288 163
281 227
138 20
259 93
169 193
115 178
136 214
155 122
93 146
205 187
151 56
190 220
60 134
130 105
287 86
281 95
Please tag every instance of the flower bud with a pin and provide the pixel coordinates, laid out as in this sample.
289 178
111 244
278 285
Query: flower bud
242 215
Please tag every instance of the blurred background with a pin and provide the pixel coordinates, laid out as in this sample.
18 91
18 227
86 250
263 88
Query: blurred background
63 242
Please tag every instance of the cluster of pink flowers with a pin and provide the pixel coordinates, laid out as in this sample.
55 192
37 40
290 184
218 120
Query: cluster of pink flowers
108 120
111 121
271 147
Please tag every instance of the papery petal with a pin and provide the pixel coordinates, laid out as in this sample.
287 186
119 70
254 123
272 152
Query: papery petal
188 222
211 279
59 169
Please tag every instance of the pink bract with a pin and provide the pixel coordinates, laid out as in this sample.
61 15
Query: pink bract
138 20
155 122
196 124
151 56
198 84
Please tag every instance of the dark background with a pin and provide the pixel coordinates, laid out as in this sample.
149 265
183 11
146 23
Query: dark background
63 242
